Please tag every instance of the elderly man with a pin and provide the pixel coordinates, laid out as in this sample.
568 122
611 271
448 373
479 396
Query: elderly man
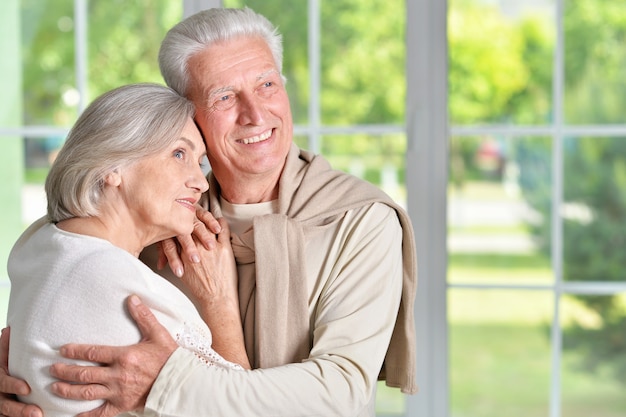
326 262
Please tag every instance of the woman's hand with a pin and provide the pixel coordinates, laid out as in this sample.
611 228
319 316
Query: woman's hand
214 284
206 227
127 374
212 275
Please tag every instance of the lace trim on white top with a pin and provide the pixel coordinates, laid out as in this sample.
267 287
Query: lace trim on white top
199 342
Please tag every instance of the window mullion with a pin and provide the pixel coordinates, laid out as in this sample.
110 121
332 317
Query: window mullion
426 181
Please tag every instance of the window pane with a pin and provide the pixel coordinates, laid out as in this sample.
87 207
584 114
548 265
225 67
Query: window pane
498 210
499 353
594 367
127 51
39 153
11 163
48 62
500 61
377 159
389 401
363 62
594 213
595 32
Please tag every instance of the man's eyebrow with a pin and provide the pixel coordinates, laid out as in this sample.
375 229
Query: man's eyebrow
220 90
231 88
267 73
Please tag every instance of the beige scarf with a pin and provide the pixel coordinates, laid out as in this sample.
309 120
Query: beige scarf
311 193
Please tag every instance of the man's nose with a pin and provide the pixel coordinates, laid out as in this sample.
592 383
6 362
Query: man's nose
251 109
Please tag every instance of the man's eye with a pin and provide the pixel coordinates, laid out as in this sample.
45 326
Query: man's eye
267 89
224 102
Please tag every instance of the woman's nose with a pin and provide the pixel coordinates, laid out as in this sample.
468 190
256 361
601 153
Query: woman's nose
199 180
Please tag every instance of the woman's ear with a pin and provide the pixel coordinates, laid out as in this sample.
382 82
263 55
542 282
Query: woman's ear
113 178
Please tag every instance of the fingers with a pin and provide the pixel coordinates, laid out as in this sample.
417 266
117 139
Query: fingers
149 326
161 258
204 235
170 250
73 391
188 247
92 353
205 230
8 384
224 234
206 217
12 408
9 406
125 374
4 348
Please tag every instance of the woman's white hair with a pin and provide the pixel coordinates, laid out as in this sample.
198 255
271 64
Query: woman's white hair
201 30
118 128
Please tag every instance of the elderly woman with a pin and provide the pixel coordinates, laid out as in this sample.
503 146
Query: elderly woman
129 175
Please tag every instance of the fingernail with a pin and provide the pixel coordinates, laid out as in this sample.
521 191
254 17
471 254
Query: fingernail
179 272
35 413
134 300
195 259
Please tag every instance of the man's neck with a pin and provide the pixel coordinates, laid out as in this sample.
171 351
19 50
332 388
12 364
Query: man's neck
249 193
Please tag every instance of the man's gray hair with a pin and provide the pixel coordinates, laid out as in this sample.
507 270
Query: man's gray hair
203 29
117 129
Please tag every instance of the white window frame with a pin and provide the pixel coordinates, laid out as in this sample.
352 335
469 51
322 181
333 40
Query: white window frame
426 182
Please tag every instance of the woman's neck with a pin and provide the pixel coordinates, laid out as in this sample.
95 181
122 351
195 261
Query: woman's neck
97 227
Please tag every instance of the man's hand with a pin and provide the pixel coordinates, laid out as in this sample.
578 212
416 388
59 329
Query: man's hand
9 406
205 229
128 372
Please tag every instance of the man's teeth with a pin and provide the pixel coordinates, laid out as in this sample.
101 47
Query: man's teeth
256 139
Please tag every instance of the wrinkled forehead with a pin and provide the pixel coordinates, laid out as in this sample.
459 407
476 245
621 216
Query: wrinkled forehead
229 64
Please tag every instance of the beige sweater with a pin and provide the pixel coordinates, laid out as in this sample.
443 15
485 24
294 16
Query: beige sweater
311 194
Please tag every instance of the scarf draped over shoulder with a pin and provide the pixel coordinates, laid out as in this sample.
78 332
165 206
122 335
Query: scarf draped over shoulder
311 193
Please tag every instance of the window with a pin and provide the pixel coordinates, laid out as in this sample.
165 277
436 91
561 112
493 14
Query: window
535 271
498 123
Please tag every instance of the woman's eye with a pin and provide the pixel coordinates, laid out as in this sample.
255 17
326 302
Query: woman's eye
179 154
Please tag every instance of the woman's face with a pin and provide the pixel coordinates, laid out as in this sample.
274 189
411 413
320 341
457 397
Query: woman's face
161 191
